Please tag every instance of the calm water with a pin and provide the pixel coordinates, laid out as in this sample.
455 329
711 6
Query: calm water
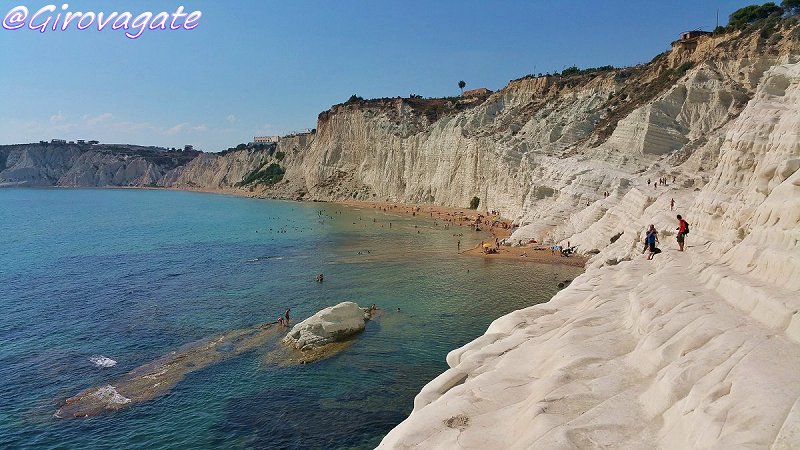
132 275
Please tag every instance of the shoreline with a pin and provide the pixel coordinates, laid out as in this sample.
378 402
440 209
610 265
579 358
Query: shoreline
461 217
503 229
498 229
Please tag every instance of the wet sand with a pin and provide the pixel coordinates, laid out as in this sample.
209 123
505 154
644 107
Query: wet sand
496 228
461 217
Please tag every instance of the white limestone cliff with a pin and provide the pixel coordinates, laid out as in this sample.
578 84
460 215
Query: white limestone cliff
699 349
84 165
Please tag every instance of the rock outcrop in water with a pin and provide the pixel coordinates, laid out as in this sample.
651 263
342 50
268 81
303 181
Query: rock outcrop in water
157 378
332 324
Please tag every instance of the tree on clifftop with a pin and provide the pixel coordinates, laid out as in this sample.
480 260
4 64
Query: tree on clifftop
461 85
753 13
792 7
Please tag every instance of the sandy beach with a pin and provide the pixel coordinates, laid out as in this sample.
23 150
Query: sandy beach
528 254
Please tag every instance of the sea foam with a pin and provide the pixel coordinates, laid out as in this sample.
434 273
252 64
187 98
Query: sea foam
109 394
102 361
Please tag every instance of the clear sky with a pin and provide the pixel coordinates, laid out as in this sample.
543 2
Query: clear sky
254 67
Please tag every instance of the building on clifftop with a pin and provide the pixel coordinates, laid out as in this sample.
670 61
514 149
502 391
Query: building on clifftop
266 139
689 39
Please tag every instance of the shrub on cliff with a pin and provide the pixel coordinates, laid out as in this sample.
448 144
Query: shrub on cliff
271 175
473 204
354 99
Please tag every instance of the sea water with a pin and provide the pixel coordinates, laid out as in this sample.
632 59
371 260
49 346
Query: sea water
94 283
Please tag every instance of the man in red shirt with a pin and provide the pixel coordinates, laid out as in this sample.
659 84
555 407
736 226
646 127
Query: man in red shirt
683 230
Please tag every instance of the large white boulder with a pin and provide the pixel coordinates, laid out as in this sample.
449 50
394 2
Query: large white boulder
332 324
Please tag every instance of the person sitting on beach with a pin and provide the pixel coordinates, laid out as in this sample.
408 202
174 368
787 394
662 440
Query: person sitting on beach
280 321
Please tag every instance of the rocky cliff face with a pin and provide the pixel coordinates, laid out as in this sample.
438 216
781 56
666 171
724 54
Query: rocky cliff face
86 165
691 350
541 148
698 349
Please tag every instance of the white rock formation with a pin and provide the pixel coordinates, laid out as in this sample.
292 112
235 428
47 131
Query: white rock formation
692 350
81 165
332 324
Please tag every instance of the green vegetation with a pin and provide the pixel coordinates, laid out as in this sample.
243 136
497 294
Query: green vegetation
268 147
271 175
280 155
574 70
791 7
753 13
473 204
571 71
748 15
684 67
461 85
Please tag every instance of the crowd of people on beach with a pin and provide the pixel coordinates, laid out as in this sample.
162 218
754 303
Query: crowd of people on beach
563 251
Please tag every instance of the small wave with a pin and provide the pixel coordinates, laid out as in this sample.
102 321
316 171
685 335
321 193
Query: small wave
102 361
261 258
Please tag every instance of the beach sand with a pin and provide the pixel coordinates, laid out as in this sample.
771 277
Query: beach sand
465 218
532 254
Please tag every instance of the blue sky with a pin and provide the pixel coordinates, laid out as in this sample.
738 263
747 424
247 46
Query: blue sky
268 67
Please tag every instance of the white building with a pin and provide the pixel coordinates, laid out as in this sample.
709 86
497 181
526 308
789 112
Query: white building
266 139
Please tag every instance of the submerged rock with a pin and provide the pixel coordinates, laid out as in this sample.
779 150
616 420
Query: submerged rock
332 324
158 377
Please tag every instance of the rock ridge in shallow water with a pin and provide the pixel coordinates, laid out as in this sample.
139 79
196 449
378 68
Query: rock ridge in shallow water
332 324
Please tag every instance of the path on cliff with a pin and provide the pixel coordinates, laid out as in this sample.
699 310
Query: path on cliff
643 353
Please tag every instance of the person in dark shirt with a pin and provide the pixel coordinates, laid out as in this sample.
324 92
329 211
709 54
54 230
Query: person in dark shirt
652 239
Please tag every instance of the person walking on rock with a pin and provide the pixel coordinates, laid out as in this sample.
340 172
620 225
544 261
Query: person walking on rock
672 204
683 230
652 239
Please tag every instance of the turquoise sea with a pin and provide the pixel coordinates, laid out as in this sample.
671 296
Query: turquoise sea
132 275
